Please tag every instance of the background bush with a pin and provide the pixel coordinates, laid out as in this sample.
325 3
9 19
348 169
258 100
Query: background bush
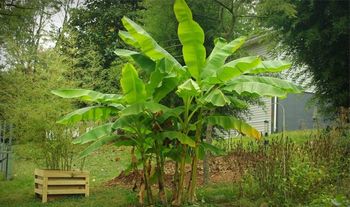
26 101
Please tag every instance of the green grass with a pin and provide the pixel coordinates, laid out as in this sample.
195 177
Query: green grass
297 137
102 167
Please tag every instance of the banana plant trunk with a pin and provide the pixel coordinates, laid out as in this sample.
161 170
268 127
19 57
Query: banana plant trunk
180 185
206 167
160 173
193 179
175 181
146 176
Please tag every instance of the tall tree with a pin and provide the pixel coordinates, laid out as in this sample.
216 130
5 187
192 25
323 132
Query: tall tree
23 27
318 37
220 18
92 37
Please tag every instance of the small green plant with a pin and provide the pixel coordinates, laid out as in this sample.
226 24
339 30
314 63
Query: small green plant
58 150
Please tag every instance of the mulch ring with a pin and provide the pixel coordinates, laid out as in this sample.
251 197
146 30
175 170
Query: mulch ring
226 168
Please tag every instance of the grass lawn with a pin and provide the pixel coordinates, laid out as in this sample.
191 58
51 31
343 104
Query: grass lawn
102 167
298 137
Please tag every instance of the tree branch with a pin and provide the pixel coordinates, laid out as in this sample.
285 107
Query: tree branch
207 17
9 14
251 16
223 5
17 6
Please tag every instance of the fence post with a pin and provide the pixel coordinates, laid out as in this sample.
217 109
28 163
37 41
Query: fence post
9 154
1 149
6 135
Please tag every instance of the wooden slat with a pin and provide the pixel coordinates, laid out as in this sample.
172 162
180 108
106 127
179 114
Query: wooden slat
44 197
65 174
66 191
66 182
39 172
87 188
38 181
38 191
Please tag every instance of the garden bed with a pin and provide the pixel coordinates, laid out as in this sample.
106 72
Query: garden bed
223 169
54 183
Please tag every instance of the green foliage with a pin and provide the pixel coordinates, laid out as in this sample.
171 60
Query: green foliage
23 30
191 36
87 95
220 53
93 134
92 113
90 38
102 167
26 102
231 123
133 88
58 150
143 122
316 35
287 172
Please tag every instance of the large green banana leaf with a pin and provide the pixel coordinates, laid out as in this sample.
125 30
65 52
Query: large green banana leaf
261 89
125 53
238 103
191 36
168 84
172 112
94 134
139 108
263 86
163 80
188 88
237 67
128 39
155 80
285 85
217 98
220 53
91 113
98 144
88 95
133 87
125 123
271 66
213 149
182 138
146 43
232 123
143 61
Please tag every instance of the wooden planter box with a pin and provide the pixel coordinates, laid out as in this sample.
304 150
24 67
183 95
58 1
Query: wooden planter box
52 183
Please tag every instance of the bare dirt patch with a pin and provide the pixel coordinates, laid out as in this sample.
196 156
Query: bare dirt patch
228 168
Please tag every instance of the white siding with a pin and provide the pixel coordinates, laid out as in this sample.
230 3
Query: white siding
259 114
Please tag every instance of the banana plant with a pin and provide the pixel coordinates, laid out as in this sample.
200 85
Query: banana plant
137 118
132 119
205 82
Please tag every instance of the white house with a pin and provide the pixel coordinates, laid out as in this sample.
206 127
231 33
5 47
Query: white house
295 112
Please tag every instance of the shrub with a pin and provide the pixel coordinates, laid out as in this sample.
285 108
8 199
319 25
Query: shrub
58 150
25 99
